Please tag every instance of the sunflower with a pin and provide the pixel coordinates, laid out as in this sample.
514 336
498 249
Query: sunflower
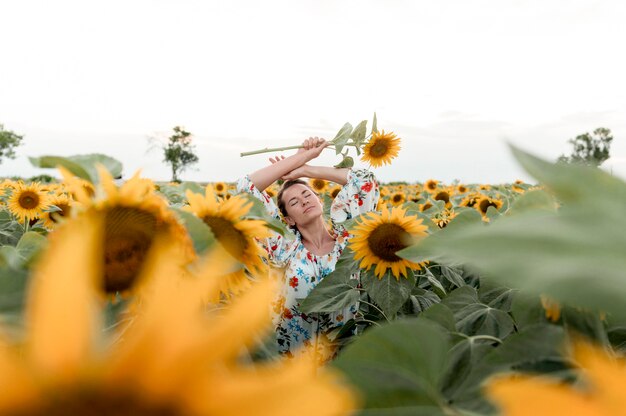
443 195
431 185
220 188
485 202
425 206
318 185
461 189
134 215
518 189
377 239
334 191
27 202
176 358
471 200
600 392
443 218
397 199
234 233
381 148
64 204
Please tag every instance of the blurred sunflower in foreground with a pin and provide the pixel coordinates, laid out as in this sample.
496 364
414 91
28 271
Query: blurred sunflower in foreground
601 391
377 239
226 218
134 216
381 148
176 358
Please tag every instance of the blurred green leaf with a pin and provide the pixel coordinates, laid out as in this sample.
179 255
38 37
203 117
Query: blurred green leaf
200 233
30 245
554 253
397 367
83 166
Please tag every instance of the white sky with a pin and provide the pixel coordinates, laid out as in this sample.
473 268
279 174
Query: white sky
456 80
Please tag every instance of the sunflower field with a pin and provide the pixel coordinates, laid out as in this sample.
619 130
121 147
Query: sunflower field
154 298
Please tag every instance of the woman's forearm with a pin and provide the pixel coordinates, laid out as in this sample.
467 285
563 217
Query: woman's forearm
337 175
266 176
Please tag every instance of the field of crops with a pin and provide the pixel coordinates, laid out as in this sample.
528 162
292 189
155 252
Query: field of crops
153 298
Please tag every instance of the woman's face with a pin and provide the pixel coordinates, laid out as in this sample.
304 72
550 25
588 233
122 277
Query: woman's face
301 204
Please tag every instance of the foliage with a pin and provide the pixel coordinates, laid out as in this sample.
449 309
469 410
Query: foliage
179 152
590 149
83 166
8 142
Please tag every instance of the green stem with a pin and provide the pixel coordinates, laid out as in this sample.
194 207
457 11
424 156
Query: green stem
274 149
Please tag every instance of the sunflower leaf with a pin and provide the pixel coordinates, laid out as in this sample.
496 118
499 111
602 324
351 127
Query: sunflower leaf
389 293
555 253
335 291
200 233
358 134
54 161
342 137
29 245
397 366
346 162
374 125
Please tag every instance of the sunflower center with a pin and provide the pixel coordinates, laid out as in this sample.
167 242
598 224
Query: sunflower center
230 237
97 403
129 233
379 149
386 239
64 211
318 184
29 200
485 204
397 198
443 196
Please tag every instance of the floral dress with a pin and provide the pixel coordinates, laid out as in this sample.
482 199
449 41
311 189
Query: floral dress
303 269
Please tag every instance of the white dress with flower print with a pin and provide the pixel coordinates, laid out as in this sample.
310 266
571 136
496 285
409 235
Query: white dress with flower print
303 269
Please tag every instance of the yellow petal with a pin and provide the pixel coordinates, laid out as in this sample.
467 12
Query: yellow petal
61 314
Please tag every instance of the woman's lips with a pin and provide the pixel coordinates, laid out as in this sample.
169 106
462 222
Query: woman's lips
307 210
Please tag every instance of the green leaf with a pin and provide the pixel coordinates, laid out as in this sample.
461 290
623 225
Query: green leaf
555 253
397 365
335 291
30 244
440 314
532 200
474 317
200 233
358 134
388 293
452 275
529 349
422 299
54 161
90 161
346 162
342 137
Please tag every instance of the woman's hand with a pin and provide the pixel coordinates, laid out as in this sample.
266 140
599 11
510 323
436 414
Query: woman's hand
294 174
313 147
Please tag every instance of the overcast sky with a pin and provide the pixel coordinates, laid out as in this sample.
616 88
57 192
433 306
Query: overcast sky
455 80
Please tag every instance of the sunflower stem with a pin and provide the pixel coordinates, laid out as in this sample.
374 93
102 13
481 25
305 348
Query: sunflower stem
375 307
274 149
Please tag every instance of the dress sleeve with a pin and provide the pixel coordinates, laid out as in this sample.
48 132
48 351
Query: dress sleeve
277 247
359 195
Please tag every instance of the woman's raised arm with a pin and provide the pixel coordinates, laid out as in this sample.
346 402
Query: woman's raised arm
311 149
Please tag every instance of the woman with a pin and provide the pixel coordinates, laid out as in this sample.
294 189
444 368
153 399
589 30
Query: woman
313 252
